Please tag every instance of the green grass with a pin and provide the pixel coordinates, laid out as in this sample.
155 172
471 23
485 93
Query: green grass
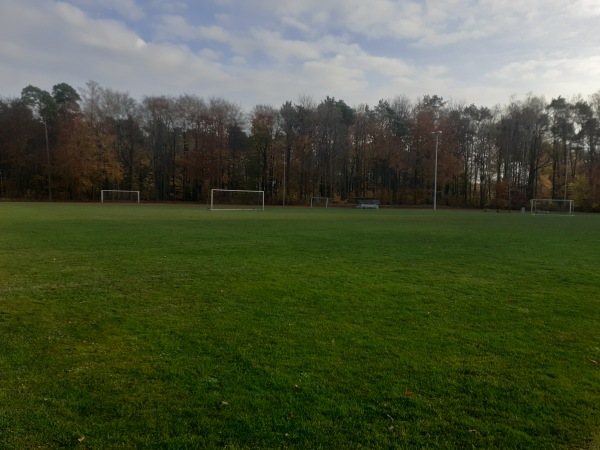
158 326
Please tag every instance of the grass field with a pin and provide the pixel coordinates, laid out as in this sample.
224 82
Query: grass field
161 326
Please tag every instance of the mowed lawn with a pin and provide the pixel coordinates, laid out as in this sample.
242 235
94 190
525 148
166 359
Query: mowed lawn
170 326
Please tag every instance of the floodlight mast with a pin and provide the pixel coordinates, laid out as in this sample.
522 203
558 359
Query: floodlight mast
49 165
437 138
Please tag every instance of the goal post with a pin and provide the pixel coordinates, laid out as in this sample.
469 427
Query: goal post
320 202
236 200
119 195
543 206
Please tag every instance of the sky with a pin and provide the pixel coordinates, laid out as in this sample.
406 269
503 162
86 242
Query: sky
267 52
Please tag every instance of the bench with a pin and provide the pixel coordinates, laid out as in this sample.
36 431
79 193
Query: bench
368 203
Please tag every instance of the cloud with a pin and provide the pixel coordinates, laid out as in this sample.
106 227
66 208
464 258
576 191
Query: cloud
296 24
176 27
373 19
103 35
68 45
279 49
127 9
270 51
569 74
169 6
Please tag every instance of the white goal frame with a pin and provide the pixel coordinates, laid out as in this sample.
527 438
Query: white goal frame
118 190
540 206
327 201
260 206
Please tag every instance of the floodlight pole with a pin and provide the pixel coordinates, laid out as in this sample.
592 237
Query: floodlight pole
49 164
566 173
437 138
284 180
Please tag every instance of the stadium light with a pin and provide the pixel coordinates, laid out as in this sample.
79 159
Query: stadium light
437 138
48 156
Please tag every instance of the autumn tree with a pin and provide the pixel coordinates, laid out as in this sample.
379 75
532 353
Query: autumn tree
71 143
361 158
264 137
427 113
330 138
44 109
562 131
157 119
22 152
298 129
85 161
390 139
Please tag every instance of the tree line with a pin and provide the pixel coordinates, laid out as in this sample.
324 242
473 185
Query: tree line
70 144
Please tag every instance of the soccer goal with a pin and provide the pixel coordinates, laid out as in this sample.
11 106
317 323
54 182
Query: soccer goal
117 195
320 202
552 206
236 200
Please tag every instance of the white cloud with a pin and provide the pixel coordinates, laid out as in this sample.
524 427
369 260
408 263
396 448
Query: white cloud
215 33
169 6
280 49
565 77
269 51
105 35
69 45
128 9
176 27
334 75
294 23
555 71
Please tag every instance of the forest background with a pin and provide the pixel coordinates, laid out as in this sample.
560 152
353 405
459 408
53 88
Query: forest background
69 144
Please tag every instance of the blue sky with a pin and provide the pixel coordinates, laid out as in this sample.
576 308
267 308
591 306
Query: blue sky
269 51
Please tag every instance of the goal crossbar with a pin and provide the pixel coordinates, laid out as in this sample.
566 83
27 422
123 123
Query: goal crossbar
119 191
239 200
320 201
543 206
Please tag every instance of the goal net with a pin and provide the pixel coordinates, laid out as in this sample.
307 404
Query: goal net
320 202
236 200
116 195
552 206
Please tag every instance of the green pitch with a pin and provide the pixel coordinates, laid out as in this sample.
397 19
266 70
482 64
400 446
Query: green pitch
159 326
